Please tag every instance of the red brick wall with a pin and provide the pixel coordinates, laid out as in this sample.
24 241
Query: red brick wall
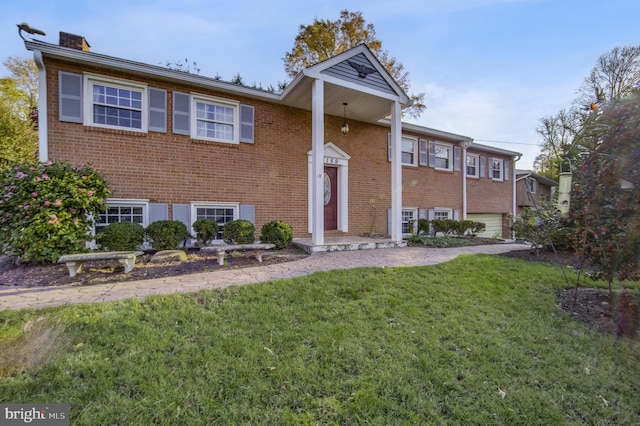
270 174
484 195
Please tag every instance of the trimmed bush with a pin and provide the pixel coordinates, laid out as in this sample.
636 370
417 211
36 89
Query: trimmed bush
122 236
167 234
477 228
206 231
238 232
423 227
446 226
278 233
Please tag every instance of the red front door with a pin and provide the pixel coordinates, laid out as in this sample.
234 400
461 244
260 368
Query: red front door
330 198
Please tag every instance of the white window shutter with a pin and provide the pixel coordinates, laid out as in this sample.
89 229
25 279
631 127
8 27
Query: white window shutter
424 152
457 154
506 169
483 166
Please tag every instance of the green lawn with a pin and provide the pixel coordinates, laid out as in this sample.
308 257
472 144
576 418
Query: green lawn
476 341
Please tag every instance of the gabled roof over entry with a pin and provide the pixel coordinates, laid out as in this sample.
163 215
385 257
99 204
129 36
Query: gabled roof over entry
355 77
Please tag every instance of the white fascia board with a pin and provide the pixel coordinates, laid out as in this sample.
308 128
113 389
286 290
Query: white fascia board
430 132
494 150
97 59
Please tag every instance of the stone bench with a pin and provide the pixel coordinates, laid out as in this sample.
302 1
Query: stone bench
74 261
256 250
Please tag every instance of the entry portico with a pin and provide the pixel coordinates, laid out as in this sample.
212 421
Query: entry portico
355 78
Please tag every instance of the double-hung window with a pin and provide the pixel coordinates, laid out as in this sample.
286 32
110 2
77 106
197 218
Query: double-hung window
115 103
219 213
441 214
409 151
443 156
497 167
120 210
473 162
409 221
531 185
215 120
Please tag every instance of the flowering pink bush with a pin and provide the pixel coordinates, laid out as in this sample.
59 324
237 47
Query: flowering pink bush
46 209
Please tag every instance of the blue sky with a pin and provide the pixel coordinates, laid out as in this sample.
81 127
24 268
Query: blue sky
490 68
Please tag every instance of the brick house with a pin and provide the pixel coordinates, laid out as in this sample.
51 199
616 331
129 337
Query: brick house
175 145
533 189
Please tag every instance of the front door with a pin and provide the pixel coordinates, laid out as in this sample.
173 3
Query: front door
330 198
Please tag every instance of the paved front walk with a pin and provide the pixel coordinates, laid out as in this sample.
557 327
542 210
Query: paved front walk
36 297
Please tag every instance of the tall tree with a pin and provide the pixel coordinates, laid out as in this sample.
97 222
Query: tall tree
18 111
557 134
325 38
21 87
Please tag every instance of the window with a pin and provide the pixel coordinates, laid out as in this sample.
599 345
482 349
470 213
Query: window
441 214
496 169
443 156
115 103
473 165
409 221
409 148
123 211
215 120
219 213
531 185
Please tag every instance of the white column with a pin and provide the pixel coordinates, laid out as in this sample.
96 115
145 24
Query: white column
317 163
396 172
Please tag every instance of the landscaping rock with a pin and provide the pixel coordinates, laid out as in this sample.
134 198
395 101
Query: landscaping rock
169 256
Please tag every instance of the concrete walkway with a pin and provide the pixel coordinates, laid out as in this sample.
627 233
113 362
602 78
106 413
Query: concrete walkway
37 297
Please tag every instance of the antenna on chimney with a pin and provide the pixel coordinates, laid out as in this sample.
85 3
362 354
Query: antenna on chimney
25 27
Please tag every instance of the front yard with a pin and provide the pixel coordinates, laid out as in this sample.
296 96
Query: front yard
479 340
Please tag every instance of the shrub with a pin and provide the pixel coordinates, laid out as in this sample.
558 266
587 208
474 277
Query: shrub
122 236
477 228
469 227
438 242
46 209
167 234
278 233
206 231
238 232
542 227
446 226
423 227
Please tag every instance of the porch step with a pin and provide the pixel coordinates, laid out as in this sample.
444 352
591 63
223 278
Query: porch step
346 244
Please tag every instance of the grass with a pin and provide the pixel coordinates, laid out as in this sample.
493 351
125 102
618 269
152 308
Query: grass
478 340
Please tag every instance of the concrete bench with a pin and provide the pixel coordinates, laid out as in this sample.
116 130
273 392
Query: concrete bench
255 249
74 261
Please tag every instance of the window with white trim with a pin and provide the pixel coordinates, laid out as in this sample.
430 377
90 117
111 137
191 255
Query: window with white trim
532 185
409 151
409 221
497 166
221 213
115 103
473 165
442 214
444 156
215 119
117 211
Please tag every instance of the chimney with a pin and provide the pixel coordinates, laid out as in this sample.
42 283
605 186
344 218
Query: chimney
74 41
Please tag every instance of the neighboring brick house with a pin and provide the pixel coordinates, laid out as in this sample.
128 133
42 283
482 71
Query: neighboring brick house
175 145
533 189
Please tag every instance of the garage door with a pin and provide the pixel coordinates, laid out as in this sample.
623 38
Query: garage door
492 221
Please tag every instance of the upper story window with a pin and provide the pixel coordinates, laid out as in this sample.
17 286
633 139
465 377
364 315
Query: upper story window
215 120
115 103
443 156
409 151
473 165
532 185
497 168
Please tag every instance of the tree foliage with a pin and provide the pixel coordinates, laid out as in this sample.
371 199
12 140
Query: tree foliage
606 193
18 111
324 39
614 76
46 209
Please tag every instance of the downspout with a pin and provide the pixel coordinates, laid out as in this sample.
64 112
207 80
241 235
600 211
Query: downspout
515 202
43 135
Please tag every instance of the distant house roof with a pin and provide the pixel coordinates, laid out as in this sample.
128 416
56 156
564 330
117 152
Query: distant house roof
540 178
